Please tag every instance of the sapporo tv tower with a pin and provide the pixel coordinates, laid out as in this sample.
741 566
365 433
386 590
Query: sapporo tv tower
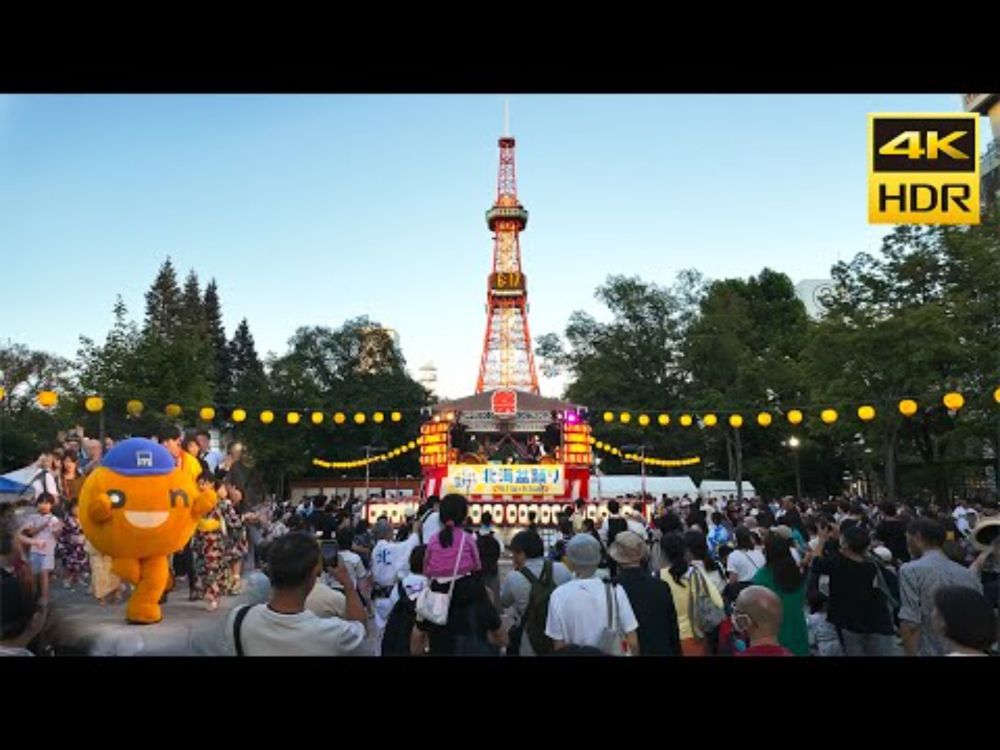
507 360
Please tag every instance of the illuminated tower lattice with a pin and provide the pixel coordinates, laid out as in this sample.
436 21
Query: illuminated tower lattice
507 360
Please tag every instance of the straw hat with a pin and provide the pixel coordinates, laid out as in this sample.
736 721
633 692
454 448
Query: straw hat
986 533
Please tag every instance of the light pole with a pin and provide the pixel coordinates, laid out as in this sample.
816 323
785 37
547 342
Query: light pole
642 463
368 454
794 443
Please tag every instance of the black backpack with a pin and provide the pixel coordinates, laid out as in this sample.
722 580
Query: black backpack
399 626
489 553
537 611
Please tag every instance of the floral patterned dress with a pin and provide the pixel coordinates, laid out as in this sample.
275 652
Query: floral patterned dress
208 552
70 548
236 543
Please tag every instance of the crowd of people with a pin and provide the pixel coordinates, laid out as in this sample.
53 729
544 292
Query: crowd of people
755 578
667 577
44 544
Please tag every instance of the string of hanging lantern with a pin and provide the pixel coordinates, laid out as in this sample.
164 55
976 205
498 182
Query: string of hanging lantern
362 462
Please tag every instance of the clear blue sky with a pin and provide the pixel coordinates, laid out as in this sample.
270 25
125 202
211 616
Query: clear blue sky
309 210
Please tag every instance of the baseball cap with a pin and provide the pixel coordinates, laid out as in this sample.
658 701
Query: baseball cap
139 457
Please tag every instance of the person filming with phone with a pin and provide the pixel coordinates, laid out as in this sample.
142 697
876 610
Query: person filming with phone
284 626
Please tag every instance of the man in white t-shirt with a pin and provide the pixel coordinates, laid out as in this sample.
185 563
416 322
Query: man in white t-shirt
430 522
44 480
578 609
744 561
390 563
283 626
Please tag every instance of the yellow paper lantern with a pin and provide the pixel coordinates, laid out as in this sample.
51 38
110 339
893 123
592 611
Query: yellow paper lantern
764 419
996 395
207 414
625 417
396 416
954 401
591 439
686 420
795 417
317 417
239 415
48 399
267 416
710 420
412 444
3 393
907 407
293 417
378 417
829 416
866 413
359 418
134 407
735 421
663 419
339 418
609 417
173 410
94 404
643 420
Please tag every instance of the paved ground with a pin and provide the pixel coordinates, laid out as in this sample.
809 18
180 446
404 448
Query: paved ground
78 625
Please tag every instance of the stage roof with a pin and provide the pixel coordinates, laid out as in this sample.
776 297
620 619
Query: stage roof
525 402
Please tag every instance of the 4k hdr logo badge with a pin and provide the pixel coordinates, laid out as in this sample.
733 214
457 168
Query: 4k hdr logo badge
923 169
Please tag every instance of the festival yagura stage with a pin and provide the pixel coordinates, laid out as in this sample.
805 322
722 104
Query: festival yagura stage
509 452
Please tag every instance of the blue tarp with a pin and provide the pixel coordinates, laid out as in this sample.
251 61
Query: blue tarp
7 485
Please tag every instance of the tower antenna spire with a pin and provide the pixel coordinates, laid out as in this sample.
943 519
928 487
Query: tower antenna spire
507 361
506 118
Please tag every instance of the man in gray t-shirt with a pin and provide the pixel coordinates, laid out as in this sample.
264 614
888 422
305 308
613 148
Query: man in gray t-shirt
527 551
919 579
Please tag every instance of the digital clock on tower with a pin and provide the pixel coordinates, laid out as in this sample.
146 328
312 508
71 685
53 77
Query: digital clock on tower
510 282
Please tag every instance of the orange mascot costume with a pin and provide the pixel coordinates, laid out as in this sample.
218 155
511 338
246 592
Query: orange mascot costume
139 508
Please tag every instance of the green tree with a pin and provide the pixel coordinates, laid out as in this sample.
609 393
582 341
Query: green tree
741 355
354 368
25 427
222 369
246 372
164 303
887 334
632 361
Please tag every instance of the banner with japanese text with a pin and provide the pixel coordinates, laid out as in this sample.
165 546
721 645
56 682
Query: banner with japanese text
504 479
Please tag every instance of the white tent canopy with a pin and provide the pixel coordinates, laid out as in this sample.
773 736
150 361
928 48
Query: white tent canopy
724 488
621 485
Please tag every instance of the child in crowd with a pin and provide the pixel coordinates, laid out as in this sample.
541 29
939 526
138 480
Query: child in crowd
823 637
40 534
70 549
